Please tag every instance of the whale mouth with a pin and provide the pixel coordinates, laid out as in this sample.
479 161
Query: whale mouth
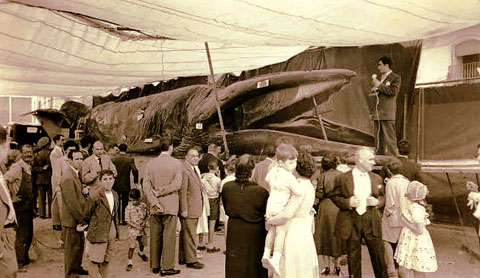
287 96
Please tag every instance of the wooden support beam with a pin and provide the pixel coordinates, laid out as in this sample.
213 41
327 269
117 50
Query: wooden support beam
217 103
324 133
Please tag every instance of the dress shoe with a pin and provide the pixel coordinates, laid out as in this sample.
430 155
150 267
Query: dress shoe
325 271
201 248
156 270
338 271
168 272
82 271
196 265
143 256
181 262
213 250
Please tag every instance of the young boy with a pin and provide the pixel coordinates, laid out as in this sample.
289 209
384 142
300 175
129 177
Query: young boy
102 223
136 217
283 185
212 184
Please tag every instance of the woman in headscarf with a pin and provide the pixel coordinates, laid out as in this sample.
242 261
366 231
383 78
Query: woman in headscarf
245 204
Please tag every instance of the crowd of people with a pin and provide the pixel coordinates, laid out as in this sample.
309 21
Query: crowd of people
281 215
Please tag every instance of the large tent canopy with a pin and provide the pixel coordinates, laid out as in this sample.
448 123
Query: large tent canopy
87 47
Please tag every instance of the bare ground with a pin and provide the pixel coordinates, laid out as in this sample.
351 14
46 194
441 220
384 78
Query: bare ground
448 240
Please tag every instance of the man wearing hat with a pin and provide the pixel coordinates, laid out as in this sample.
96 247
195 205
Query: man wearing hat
42 173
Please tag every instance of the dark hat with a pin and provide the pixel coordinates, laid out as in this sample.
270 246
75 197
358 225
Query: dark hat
42 142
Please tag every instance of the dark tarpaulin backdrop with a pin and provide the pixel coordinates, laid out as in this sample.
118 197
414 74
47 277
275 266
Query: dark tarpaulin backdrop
452 131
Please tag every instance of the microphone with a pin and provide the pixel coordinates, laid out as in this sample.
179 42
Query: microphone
374 89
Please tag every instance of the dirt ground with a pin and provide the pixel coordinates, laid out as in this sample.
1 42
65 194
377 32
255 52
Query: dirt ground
448 240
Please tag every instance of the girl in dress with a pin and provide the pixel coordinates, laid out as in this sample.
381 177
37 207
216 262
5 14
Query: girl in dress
415 247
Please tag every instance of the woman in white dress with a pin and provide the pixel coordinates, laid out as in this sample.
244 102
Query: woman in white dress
299 257
415 249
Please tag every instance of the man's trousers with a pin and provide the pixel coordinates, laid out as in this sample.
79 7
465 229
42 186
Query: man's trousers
163 238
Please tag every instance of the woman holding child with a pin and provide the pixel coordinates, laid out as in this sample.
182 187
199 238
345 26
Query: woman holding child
299 253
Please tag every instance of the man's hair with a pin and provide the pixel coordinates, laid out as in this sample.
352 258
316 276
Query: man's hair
134 194
212 164
392 167
329 161
13 145
286 152
25 146
85 141
343 157
112 145
57 137
403 147
386 61
478 146
122 147
106 172
70 143
70 154
165 143
269 150
94 142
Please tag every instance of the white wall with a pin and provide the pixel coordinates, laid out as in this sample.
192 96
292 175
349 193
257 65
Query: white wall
438 53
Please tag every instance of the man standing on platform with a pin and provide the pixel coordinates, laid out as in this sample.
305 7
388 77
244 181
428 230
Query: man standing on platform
161 183
385 108
191 208
94 164
72 215
125 165
357 195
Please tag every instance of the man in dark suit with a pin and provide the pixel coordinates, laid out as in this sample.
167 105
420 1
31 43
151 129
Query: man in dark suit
161 183
191 208
385 91
410 169
263 167
72 215
214 151
357 194
124 165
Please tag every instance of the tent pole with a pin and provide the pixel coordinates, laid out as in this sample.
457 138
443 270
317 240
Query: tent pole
405 99
217 103
419 104
324 133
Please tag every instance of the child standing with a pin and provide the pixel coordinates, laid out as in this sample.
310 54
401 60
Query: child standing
136 217
212 184
102 221
415 247
283 185
229 176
